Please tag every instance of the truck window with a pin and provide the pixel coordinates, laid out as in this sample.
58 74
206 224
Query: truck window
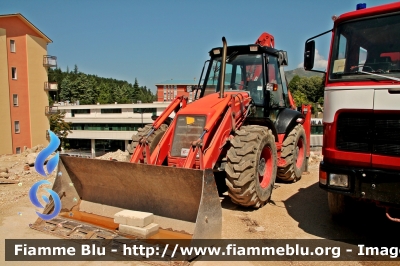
362 56
277 98
367 45
242 72
342 47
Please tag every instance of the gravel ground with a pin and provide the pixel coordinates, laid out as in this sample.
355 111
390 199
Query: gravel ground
296 211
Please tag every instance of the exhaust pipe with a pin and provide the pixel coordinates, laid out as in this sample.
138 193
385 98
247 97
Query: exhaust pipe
223 66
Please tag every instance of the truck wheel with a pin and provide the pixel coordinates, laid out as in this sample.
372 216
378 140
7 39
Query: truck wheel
153 139
294 153
251 166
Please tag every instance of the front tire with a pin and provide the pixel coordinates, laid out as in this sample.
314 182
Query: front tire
251 166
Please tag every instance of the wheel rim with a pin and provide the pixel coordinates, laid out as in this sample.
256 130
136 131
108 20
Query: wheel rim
265 167
300 153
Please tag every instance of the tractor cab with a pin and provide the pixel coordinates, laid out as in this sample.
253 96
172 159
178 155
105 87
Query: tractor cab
252 68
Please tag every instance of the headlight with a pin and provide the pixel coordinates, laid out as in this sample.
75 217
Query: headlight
338 180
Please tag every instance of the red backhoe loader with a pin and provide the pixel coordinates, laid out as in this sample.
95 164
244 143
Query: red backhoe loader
240 130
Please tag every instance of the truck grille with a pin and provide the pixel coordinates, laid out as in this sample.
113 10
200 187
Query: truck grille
372 133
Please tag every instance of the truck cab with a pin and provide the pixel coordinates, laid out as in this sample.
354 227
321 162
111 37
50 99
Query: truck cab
361 145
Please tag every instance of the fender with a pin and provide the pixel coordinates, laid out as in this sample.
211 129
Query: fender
286 120
263 121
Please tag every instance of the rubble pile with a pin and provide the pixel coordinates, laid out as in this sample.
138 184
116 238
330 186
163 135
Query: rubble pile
119 155
315 157
15 166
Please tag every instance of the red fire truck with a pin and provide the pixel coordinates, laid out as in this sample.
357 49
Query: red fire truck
361 142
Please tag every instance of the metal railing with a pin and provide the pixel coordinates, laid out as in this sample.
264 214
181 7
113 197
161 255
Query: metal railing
49 61
50 86
50 110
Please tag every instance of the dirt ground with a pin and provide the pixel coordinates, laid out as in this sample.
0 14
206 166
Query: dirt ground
297 211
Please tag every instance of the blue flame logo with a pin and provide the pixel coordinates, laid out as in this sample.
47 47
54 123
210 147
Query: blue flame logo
39 167
35 201
41 158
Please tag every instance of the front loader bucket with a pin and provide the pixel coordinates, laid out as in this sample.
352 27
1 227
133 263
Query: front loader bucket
184 202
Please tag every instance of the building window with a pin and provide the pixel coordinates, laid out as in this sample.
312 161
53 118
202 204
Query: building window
111 111
14 73
79 111
12 46
16 126
18 150
145 110
15 99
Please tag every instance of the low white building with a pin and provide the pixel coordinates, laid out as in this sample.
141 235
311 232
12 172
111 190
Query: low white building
97 129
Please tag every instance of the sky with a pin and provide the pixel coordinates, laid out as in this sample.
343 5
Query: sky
154 41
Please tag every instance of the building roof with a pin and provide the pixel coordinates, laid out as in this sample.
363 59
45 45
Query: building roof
114 106
27 22
179 82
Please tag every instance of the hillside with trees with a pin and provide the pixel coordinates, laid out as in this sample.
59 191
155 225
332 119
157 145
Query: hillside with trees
76 86
306 87
308 90
301 73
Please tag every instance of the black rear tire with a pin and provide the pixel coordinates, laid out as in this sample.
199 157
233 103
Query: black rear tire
251 166
153 139
294 153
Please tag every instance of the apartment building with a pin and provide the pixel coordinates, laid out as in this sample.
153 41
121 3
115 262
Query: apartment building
169 89
23 80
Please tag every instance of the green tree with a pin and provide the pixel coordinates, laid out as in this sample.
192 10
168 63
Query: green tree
105 95
300 98
307 90
90 89
59 126
294 83
76 70
67 93
121 94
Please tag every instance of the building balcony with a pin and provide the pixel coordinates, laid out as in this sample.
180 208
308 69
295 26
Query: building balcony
51 86
49 61
50 110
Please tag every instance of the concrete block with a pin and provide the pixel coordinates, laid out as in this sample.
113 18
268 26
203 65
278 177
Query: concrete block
144 232
134 218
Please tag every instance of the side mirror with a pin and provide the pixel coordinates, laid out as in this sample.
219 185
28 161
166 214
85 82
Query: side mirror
309 53
283 58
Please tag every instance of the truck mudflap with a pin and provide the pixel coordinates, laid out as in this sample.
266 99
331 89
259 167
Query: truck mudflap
184 202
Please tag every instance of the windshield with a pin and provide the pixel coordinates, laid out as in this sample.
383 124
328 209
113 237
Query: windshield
243 72
367 46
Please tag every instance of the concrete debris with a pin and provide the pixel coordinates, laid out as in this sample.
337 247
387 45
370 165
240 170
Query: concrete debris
30 158
118 155
3 170
35 149
315 157
4 175
260 229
